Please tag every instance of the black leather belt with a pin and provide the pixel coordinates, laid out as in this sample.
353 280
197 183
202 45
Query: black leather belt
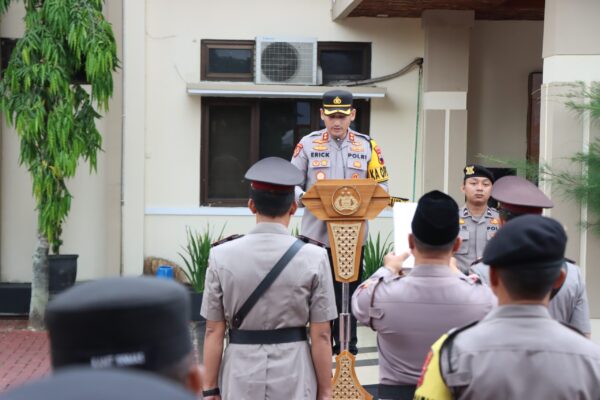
396 392
273 336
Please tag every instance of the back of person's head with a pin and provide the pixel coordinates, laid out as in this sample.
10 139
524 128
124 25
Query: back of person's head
528 253
435 223
140 323
272 184
92 384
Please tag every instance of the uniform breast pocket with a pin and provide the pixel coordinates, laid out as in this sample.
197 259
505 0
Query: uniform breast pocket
320 169
356 168
464 246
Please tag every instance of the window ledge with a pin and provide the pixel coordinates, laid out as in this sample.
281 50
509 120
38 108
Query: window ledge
236 89
221 211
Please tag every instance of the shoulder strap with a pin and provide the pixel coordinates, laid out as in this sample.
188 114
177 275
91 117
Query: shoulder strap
449 343
266 283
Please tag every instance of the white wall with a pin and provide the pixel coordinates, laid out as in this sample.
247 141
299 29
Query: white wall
503 53
172 142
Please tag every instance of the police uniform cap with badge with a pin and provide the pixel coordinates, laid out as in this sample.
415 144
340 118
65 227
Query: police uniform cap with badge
337 101
476 170
137 322
91 384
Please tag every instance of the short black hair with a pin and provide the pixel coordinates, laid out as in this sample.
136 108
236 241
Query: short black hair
527 283
272 203
426 248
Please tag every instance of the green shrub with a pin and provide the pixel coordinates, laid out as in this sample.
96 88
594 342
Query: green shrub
196 255
375 250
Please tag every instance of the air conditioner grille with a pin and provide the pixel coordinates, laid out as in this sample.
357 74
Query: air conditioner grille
286 61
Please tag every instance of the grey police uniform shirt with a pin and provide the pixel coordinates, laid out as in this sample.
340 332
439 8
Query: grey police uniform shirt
520 352
302 293
475 233
320 156
569 305
409 314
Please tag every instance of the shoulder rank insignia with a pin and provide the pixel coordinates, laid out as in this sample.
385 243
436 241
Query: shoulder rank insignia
225 240
298 149
310 241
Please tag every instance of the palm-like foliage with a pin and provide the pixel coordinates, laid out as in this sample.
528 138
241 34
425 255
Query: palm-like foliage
195 256
375 250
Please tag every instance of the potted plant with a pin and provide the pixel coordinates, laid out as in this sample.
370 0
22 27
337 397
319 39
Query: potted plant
375 250
42 96
195 258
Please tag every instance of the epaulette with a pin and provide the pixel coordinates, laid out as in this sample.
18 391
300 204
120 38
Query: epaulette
449 342
395 199
225 240
363 135
311 241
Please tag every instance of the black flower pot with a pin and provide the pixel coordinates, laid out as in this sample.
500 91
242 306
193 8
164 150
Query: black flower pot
62 272
196 300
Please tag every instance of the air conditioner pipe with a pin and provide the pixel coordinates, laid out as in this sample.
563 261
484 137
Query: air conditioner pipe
417 62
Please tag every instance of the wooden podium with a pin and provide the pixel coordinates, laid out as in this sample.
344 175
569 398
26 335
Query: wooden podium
346 205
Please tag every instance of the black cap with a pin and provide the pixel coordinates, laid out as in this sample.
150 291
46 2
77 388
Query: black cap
475 170
518 191
527 242
337 101
274 174
436 219
120 322
90 384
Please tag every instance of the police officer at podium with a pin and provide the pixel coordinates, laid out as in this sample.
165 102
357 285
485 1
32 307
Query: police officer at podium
336 152
266 287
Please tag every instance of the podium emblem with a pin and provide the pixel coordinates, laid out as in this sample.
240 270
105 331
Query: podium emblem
346 200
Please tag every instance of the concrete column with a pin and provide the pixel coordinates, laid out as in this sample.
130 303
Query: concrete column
445 85
134 133
571 54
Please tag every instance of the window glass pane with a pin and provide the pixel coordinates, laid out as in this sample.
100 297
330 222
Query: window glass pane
303 113
342 62
229 151
277 126
230 61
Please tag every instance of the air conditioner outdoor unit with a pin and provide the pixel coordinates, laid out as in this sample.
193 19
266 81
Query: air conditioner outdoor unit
286 61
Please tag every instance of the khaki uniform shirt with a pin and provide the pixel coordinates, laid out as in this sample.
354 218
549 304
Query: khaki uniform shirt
320 156
519 352
570 305
410 313
475 234
302 293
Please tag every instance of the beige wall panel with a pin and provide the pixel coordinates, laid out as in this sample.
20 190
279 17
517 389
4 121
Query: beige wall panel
11 23
571 27
447 59
457 152
503 53
563 138
434 123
